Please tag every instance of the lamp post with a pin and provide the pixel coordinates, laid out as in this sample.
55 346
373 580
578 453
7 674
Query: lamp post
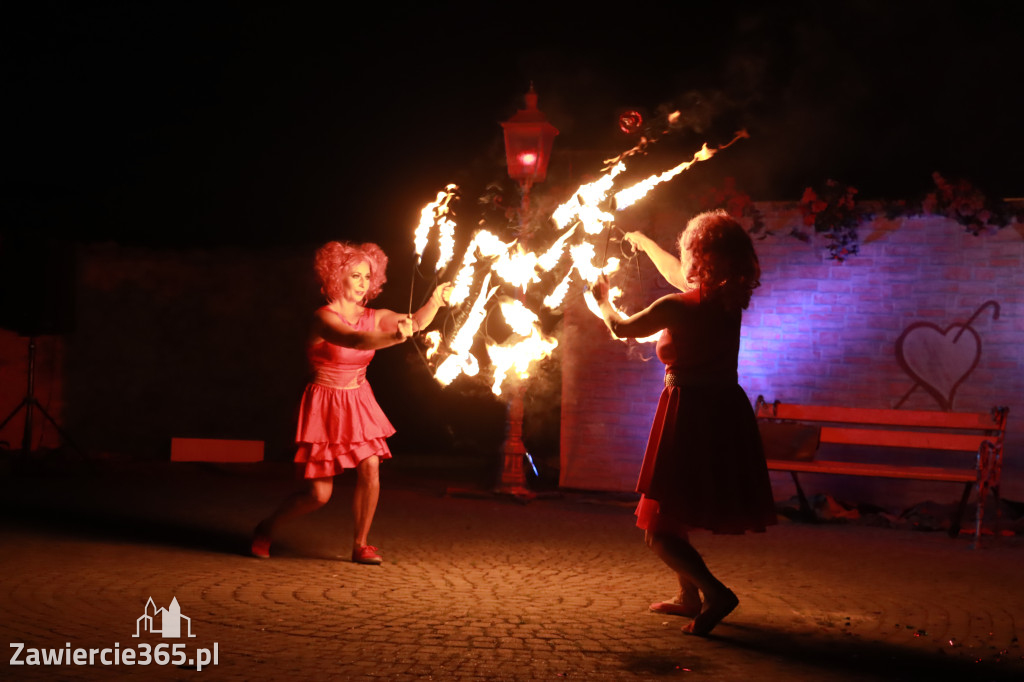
528 141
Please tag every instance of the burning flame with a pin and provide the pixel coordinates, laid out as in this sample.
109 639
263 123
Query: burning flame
587 214
436 213
519 355
630 195
461 361
432 341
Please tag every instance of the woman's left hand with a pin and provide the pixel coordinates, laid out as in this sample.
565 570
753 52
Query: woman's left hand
638 240
405 328
443 293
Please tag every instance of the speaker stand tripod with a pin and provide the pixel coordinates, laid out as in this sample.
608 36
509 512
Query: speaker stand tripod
30 404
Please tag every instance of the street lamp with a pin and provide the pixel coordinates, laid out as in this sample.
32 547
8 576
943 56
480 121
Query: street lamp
528 140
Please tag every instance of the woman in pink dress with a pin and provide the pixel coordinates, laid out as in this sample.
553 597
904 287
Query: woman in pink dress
341 426
704 466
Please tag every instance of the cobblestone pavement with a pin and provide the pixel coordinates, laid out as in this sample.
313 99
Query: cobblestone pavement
477 588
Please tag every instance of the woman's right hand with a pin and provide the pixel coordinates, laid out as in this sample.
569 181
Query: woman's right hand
638 240
442 294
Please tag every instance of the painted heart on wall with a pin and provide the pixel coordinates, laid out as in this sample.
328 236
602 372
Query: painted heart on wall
939 360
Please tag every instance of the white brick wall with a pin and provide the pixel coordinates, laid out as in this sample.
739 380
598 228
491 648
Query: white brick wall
817 331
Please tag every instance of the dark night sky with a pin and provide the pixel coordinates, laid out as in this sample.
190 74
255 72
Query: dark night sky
224 124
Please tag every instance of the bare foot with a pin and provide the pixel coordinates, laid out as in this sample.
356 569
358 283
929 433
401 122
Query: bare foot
715 610
689 607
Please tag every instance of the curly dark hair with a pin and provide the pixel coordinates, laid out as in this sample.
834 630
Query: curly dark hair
718 255
335 260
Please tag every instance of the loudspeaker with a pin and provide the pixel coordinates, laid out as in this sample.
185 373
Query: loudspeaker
37 285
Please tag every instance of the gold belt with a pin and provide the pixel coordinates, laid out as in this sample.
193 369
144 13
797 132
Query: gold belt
697 380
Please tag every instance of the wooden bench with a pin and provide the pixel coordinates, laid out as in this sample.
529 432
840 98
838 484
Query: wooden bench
795 432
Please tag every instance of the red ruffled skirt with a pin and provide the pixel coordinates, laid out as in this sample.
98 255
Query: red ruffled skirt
704 466
338 428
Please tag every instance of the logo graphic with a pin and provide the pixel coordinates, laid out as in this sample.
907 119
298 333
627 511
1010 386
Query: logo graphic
166 622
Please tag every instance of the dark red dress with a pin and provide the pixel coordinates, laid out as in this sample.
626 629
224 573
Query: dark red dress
704 466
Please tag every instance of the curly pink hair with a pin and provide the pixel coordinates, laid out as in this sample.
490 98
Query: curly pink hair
335 260
718 255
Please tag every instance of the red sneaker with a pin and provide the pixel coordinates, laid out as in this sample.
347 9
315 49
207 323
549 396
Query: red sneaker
367 554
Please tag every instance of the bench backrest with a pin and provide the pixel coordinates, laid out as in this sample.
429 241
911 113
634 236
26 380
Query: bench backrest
961 431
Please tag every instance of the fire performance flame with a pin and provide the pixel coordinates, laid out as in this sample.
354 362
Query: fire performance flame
589 213
436 213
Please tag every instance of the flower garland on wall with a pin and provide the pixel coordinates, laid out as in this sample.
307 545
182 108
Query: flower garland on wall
832 211
966 204
738 204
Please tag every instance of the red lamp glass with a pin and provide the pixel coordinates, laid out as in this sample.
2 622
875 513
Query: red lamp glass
528 141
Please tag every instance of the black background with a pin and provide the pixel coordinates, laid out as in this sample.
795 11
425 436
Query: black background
224 123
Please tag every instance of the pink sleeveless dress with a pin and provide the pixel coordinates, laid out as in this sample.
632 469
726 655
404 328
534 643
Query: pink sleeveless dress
340 422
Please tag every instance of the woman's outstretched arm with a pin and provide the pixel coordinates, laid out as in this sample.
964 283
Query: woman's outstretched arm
387 319
653 318
668 265
327 325
425 315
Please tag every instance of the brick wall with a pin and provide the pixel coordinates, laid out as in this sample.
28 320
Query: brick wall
817 331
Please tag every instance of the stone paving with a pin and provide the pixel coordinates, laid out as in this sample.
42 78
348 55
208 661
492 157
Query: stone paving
476 588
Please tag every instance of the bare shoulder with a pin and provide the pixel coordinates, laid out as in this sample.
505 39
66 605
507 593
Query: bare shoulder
677 301
324 316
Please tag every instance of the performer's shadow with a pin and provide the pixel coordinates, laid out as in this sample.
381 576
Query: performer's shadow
93 505
90 524
198 510
826 657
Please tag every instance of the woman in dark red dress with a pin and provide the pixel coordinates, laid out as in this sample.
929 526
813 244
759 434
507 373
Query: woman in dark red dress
704 466
341 426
